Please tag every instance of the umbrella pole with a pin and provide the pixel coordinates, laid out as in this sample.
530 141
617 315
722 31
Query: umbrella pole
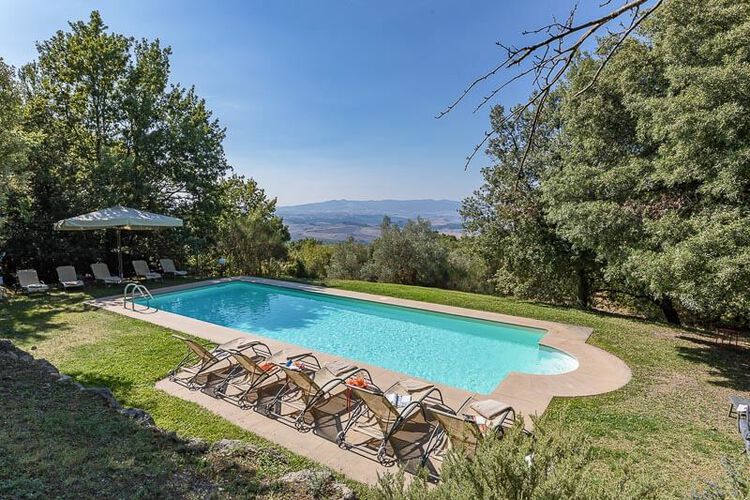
119 252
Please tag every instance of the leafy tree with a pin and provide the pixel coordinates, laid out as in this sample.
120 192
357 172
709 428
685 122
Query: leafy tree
309 258
347 259
15 143
252 242
250 234
412 255
113 131
467 270
655 178
508 215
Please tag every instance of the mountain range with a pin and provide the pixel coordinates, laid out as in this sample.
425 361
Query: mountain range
336 220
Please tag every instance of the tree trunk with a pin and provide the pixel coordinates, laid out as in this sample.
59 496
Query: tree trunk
583 292
670 313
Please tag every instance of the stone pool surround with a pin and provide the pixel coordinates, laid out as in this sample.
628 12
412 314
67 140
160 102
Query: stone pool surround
598 371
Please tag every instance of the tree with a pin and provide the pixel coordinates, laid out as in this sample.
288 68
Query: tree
655 178
251 236
508 215
112 131
412 255
309 258
348 259
15 143
546 61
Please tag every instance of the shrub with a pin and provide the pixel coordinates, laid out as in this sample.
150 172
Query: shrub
553 464
347 259
414 255
309 259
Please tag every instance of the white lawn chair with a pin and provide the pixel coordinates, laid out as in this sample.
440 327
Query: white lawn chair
167 265
142 270
68 278
101 273
29 281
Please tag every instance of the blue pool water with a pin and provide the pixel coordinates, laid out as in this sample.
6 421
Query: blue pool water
453 350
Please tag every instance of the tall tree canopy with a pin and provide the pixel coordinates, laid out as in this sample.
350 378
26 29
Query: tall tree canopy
15 144
111 130
649 170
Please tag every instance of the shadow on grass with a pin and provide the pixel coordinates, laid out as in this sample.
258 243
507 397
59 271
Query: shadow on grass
727 362
35 317
25 318
119 386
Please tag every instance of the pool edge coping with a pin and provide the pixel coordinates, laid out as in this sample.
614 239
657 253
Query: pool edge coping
598 371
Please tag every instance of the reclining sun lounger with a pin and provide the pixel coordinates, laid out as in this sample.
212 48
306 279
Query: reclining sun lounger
392 420
142 270
101 273
167 265
68 277
739 407
465 428
252 371
311 390
201 367
29 281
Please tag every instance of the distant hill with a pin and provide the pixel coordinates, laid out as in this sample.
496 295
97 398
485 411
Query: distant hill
336 220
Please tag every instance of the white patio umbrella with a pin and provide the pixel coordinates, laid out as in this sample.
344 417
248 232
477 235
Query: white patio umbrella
119 218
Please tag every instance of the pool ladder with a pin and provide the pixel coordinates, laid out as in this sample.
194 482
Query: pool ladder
129 294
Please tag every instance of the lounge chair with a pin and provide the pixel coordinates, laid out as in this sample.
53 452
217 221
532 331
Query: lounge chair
311 390
142 271
167 265
739 407
465 428
392 420
101 273
68 277
254 370
201 367
29 281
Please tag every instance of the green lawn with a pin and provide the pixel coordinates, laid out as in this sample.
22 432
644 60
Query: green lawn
669 422
99 348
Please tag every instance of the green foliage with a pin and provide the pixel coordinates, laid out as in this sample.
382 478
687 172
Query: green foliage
347 259
507 216
639 187
550 465
412 255
250 235
655 180
110 129
15 144
309 258
467 270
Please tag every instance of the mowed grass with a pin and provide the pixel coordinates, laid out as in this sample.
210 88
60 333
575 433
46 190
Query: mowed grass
669 423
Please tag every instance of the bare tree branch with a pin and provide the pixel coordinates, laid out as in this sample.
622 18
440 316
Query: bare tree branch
546 61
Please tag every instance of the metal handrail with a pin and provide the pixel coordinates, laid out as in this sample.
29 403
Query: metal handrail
129 293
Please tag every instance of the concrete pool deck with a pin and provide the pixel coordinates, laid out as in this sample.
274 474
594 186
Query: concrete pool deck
598 371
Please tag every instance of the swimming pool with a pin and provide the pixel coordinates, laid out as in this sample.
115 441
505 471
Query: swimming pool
462 352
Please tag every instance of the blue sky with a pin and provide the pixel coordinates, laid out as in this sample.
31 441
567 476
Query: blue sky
323 99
